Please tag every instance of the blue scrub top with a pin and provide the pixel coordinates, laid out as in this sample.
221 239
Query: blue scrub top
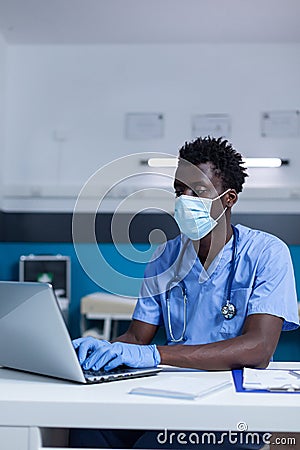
263 284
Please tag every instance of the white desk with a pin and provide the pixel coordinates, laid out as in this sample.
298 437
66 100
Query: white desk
30 402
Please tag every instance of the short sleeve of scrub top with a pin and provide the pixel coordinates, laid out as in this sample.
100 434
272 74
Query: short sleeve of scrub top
263 284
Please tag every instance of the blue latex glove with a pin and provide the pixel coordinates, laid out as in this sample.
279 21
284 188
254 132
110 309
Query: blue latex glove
111 356
87 346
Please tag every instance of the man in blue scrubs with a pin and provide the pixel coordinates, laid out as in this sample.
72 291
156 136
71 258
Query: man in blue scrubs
222 293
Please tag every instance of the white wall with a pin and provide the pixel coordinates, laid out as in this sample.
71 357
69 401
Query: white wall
84 92
2 109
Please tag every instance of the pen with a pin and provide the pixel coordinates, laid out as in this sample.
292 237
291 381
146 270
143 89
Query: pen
294 373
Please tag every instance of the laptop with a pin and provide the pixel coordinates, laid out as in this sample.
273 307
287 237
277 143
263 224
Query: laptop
34 337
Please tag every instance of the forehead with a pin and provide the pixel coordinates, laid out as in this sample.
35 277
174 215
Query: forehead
204 174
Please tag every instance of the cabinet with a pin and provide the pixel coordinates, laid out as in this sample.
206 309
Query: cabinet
53 269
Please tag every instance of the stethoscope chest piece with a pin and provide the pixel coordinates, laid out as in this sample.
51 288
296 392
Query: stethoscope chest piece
228 310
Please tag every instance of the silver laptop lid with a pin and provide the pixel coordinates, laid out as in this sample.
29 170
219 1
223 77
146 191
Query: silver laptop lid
33 335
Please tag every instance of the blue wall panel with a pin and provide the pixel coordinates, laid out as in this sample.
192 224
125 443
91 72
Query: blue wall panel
295 254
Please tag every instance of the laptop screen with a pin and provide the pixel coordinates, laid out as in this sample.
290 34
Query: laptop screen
34 336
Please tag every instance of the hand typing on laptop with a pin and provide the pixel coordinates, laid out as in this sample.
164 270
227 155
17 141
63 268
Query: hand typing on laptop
99 354
87 346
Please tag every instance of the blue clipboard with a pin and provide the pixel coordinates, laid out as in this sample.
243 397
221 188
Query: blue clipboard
237 375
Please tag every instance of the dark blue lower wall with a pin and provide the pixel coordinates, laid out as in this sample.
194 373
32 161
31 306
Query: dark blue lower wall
81 284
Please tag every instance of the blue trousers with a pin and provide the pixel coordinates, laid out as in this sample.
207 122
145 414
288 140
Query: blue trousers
93 438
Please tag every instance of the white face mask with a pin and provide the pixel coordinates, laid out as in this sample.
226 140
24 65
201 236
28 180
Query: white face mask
192 215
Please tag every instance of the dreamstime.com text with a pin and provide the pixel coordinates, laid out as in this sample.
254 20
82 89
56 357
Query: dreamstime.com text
218 438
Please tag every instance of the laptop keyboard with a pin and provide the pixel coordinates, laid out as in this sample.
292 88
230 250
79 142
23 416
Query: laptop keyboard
121 373
99 376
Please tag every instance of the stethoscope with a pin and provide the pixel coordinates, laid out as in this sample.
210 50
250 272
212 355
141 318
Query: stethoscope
228 310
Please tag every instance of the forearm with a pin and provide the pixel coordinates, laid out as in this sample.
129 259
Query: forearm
223 355
140 333
253 348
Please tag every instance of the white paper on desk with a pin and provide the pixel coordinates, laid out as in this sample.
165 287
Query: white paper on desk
267 378
191 386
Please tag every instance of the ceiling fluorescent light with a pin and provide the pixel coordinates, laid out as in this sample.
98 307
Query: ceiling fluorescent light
264 162
249 162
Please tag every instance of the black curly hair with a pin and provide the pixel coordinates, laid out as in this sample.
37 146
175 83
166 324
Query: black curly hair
227 162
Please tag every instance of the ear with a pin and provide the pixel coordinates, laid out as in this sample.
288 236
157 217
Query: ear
231 198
